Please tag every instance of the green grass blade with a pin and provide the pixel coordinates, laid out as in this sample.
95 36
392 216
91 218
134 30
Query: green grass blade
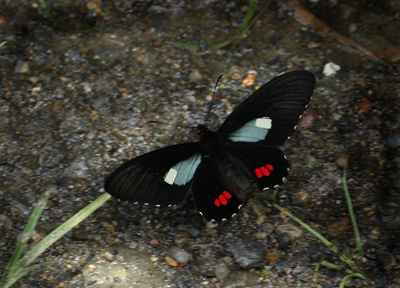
58 23
352 217
248 21
336 267
327 243
314 278
21 267
190 46
220 45
308 228
21 272
331 265
343 282
12 265
249 14
60 231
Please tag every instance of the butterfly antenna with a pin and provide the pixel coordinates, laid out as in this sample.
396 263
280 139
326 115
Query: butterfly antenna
212 100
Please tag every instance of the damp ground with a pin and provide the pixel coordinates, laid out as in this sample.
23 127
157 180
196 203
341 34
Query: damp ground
76 100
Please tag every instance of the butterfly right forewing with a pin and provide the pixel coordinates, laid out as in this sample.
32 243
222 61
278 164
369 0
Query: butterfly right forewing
272 112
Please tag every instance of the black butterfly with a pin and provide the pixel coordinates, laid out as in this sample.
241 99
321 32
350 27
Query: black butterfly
249 138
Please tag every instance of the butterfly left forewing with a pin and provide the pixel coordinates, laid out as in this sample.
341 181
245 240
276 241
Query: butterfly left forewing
161 177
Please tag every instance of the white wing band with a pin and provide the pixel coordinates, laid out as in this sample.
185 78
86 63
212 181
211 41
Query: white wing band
182 172
253 131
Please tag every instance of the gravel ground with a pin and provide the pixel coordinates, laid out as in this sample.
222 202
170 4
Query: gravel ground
76 99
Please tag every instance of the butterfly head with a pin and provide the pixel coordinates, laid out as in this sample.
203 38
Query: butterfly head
204 132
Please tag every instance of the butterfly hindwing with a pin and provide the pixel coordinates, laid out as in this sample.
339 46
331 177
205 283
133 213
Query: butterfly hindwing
213 196
161 177
272 112
267 166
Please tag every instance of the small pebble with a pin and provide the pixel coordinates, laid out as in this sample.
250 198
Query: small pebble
387 260
179 255
330 69
181 238
221 271
195 76
154 242
289 228
311 161
391 54
284 240
318 143
376 232
261 235
155 258
250 79
109 256
171 261
343 162
248 253
393 140
271 258
133 245
257 206
260 220
21 67
300 198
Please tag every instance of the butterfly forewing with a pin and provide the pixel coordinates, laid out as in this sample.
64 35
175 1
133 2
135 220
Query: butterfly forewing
160 177
272 112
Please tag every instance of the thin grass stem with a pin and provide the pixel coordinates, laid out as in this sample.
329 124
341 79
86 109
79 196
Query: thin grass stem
19 267
352 216
23 238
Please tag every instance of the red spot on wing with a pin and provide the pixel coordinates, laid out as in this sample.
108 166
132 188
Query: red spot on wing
263 170
227 195
222 199
258 172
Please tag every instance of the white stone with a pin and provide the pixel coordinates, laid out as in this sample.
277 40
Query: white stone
330 69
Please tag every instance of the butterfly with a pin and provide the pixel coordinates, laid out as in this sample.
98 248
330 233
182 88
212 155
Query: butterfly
249 139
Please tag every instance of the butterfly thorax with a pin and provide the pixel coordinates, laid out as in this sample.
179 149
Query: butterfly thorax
213 142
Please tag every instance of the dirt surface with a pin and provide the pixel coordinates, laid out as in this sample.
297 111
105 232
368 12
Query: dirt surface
75 99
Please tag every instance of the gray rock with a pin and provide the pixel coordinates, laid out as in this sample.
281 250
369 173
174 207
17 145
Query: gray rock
249 253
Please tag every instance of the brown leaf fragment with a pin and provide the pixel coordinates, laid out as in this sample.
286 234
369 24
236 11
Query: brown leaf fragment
306 18
391 54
